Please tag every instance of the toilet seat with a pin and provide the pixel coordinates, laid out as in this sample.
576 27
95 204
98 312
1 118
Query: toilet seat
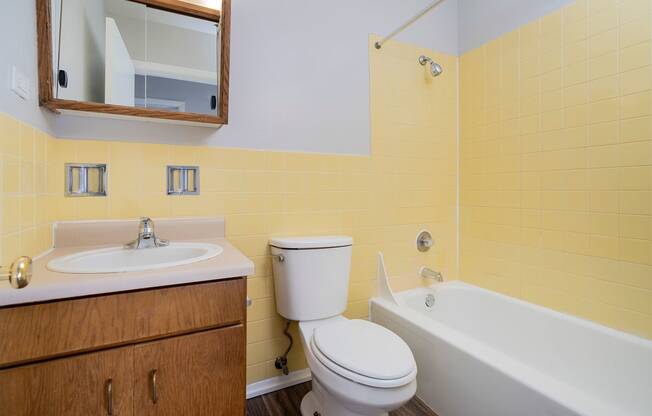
365 353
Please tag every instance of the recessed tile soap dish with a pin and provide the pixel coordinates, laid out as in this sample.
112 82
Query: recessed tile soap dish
183 180
85 179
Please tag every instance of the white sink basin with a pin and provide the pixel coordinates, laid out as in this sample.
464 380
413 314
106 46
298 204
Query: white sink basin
120 259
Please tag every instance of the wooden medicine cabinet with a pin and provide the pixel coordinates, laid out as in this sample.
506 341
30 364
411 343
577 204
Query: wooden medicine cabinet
144 59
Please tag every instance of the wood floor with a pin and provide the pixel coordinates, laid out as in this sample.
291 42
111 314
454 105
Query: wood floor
286 402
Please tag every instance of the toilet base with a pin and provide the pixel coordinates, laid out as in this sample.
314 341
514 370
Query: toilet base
309 405
318 402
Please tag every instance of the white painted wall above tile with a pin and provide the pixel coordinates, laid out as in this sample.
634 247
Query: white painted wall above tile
483 20
299 75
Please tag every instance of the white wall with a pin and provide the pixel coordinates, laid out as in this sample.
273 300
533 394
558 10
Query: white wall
18 47
299 69
299 74
483 20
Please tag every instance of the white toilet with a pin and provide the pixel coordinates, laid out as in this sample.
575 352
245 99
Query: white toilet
358 367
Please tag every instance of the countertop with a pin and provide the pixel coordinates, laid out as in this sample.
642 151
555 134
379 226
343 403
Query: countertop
47 285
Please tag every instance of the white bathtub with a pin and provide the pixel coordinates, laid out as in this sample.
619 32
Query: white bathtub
482 353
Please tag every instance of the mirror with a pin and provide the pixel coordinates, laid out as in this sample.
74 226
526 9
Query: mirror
160 58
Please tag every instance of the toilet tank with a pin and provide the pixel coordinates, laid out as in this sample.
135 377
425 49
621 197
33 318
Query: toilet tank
311 276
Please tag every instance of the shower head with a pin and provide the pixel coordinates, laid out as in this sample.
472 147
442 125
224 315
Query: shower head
435 68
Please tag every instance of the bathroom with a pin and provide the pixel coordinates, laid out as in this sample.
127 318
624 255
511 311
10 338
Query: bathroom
468 182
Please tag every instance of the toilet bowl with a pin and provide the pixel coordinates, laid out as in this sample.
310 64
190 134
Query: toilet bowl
358 368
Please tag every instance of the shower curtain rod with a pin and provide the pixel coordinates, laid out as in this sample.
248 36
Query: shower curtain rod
381 42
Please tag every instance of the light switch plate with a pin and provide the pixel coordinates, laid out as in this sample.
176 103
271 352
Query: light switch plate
19 83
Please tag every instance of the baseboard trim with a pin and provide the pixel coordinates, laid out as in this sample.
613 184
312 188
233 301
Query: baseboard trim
278 383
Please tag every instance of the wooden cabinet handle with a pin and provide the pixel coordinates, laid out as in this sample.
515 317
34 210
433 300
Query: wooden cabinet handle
109 397
152 379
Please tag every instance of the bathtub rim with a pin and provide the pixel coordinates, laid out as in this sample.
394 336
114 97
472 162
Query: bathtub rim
627 336
576 400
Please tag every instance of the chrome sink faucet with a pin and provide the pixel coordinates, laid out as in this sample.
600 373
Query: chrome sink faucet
431 274
146 236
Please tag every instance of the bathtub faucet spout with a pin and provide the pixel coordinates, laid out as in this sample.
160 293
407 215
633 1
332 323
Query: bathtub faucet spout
431 274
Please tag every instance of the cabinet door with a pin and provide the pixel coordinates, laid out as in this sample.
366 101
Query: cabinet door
91 384
198 374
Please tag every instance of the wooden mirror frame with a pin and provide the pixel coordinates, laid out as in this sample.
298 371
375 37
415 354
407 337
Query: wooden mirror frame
46 73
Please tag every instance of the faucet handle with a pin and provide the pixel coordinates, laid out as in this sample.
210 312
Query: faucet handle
146 236
160 242
146 226
424 241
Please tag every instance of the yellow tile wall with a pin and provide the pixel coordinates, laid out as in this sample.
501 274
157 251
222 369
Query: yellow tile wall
556 163
24 226
382 200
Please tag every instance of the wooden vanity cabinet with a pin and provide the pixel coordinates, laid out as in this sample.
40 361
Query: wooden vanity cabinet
80 385
198 374
179 351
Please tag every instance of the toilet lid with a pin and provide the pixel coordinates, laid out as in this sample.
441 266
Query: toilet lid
365 348
299 243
